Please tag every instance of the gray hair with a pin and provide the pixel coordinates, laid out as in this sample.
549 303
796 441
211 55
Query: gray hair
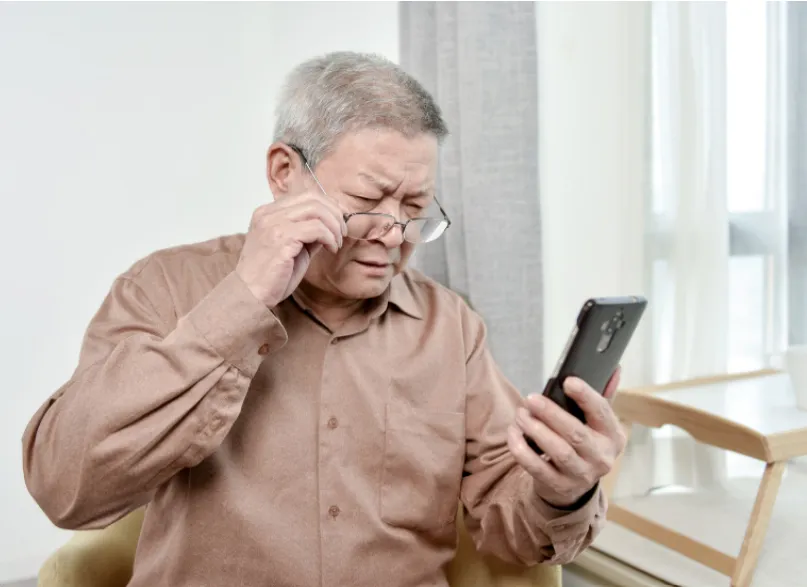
329 96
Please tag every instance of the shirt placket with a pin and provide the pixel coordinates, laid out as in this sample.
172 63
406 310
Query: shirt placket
336 508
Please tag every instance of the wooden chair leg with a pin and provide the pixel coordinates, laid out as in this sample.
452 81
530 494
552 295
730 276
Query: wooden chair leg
758 524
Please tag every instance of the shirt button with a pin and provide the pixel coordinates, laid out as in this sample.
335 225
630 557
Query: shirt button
334 340
334 511
264 349
333 423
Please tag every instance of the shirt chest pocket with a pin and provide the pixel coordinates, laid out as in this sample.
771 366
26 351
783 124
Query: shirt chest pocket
424 453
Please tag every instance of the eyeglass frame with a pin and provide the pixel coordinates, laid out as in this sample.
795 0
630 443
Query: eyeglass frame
348 216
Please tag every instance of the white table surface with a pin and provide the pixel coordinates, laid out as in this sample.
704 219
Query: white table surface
765 404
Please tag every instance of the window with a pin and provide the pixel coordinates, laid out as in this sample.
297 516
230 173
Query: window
795 48
720 109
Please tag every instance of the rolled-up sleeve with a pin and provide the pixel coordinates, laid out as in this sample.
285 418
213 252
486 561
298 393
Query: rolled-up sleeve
504 514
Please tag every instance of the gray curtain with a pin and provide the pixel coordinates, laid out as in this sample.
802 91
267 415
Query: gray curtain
479 61
797 163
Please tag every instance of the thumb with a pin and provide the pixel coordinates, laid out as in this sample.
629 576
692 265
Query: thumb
313 249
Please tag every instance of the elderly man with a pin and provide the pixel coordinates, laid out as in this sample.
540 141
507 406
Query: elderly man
295 406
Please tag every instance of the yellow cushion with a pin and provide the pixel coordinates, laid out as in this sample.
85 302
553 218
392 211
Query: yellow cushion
104 558
95 558
470 569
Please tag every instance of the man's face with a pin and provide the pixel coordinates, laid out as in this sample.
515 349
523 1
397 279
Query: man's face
372 171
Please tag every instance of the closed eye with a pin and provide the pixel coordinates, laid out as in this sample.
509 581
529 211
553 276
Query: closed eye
361 198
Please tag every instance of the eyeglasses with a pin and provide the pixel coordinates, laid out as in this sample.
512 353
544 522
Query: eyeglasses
374 225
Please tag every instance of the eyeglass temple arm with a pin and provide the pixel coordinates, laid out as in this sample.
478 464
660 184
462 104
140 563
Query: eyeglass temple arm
443 212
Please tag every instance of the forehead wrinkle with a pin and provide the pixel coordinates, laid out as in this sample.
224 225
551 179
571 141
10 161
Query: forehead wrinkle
381 180
378 182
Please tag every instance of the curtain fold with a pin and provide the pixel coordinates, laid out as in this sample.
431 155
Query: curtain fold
689 211
479 60
796 113
689 64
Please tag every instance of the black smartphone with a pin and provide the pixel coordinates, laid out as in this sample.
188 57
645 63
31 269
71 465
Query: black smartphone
595 347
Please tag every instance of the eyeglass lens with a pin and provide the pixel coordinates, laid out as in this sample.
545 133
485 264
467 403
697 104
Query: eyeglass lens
374 226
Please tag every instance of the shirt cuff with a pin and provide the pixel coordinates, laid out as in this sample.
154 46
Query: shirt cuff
571 530
584 499
239 327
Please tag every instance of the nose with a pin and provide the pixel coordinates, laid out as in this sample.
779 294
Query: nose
394 237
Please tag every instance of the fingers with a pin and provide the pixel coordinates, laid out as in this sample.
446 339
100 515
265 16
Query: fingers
539 468
597 409
315 231
561 453
613 384
284 220
315 203
306 211
578 435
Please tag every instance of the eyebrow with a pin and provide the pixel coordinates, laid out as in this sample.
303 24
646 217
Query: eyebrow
382 185
385 186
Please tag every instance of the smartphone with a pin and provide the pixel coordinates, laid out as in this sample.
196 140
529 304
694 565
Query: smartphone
595 347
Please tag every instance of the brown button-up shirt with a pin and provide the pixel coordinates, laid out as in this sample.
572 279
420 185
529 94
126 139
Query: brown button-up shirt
272 451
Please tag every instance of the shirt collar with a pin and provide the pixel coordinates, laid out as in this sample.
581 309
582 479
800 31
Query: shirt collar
403 296
401 293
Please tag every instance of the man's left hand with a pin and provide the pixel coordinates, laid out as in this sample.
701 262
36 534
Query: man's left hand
576 455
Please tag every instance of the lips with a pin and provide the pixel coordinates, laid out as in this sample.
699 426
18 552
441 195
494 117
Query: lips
372 263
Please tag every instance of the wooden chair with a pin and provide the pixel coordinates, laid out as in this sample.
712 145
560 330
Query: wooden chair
774 443
104 558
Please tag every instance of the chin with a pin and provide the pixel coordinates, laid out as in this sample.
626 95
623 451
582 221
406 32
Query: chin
360 282
365 289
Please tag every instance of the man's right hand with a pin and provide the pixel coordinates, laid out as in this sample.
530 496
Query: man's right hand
282 238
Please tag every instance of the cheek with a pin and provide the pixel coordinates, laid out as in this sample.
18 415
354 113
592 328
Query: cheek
346 253
406 249
326 263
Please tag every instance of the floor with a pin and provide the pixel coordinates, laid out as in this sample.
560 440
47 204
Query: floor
717 513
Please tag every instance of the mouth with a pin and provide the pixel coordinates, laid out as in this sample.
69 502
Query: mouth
371 267
371 263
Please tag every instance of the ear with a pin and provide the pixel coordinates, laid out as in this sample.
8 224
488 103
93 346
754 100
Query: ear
284 170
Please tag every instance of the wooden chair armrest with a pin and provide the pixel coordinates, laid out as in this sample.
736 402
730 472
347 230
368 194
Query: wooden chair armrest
650 410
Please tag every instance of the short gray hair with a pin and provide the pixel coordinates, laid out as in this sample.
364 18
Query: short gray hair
329 96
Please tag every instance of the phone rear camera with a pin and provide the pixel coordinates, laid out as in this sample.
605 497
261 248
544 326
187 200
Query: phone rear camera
605 341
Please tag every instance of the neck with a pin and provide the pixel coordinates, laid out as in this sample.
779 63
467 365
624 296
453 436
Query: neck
329 309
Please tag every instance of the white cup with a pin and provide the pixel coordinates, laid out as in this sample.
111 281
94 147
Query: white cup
796 367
